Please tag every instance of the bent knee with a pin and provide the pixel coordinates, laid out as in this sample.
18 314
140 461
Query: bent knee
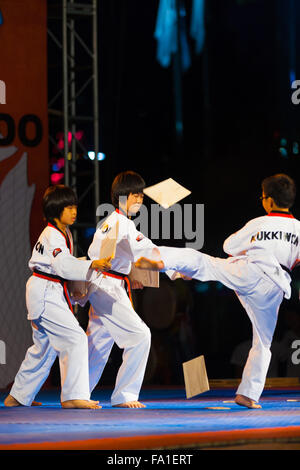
140 335
144 333
147 334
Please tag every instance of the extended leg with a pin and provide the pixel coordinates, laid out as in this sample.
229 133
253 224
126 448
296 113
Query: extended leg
234 273
260 297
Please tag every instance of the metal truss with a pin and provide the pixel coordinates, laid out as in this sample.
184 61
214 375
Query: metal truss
73 89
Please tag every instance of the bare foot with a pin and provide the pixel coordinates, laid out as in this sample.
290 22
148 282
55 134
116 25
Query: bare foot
130 404
11 401
245 401
145 263
82 404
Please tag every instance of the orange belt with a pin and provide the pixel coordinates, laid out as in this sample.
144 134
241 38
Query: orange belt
54 278
123 277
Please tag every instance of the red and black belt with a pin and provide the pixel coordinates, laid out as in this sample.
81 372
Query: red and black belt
55 278
122 277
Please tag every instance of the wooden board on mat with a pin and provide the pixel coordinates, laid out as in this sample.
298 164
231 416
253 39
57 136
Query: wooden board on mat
195 377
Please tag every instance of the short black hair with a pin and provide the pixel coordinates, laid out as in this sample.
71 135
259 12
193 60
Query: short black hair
125 183
281 188
55 199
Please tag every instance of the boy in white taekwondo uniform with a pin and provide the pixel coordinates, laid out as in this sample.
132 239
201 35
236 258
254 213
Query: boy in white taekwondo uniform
55 328
112 316
262 254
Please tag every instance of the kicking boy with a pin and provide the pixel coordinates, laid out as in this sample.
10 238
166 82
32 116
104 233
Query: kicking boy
112 317
55 328
261 255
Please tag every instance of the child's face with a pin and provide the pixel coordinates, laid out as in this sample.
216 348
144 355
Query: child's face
134 202
68 215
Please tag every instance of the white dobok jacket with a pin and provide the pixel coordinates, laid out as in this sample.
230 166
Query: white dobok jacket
272 242
52 260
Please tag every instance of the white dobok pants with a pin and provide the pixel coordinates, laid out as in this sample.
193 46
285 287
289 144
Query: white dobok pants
259 295
56 332
113 319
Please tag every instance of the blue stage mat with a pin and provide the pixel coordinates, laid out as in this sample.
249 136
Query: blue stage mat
167 412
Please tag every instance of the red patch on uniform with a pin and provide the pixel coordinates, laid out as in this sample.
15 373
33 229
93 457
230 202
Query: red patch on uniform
56 252
139 238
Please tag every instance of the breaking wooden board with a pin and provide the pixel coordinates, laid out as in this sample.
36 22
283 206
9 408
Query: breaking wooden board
173 275
195 377
78 287
109 242
78 290
146 277
167 192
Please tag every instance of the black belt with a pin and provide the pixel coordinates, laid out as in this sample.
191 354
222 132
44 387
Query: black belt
116 273
55 278
123 277
48 276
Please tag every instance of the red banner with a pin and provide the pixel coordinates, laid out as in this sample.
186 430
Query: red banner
24 166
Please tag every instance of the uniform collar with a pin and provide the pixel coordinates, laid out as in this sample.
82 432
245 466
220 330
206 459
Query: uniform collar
67 238
281 214
120 211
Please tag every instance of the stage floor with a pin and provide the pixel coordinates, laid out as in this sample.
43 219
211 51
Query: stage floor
170 421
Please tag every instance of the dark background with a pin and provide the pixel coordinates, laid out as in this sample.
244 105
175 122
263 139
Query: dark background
237 108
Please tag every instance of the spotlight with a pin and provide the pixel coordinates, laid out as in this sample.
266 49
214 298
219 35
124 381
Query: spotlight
101 156
283 152
283 142
55 167
295 148
56 178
